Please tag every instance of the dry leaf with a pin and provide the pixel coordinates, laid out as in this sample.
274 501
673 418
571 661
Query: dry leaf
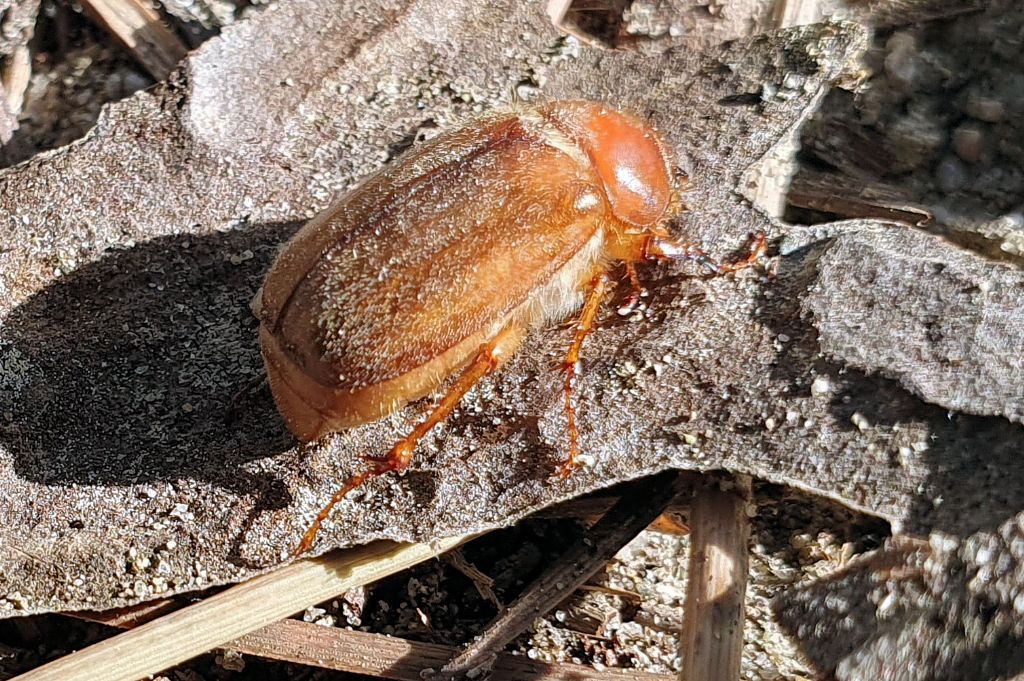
129 258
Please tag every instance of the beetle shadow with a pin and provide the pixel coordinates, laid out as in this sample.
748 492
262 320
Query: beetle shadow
124 371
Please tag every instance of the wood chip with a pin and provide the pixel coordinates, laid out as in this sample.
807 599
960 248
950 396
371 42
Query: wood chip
483 583
850 198
380 656
16 72
712 638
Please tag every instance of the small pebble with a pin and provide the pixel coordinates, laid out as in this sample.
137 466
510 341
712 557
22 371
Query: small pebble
951 174
985 108
902 65
970 142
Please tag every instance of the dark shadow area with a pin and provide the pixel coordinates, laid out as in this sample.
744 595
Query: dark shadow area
783 515
958 634
784 512
125 371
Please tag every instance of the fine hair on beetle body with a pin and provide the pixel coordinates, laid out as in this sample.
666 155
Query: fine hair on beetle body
440 263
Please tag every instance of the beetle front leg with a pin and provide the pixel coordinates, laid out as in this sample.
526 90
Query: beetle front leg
664 248
598 288
488 358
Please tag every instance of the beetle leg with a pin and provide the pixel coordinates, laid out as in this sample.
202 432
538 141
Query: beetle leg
398 458
599 286
660 248
637 291
756 250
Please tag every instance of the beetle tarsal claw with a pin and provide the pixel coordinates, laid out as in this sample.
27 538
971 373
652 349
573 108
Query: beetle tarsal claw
632 302
565 471
376 460
567 368
577 461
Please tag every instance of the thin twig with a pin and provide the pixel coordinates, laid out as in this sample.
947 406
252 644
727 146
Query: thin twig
245 607
386 657
636 509
370 654
484 584
358 652
712 638
131 616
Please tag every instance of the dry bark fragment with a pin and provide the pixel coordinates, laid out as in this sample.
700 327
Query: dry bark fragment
947 325
126 326
127 261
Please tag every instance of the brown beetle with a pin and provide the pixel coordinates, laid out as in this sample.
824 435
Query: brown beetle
443 260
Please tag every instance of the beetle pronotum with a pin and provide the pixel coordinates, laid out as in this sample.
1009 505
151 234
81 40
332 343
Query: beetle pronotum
442 261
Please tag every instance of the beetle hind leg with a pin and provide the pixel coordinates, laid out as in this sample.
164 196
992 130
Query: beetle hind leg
490 356
598 288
